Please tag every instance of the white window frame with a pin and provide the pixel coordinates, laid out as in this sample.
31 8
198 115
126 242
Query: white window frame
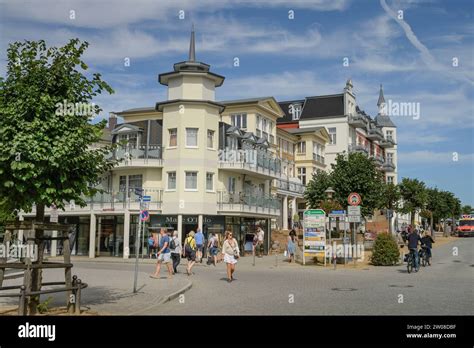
169 140
237 120
389 135
301 147
212 182
197 138
185 177
332 136
212 139
168 181
297 108
301 173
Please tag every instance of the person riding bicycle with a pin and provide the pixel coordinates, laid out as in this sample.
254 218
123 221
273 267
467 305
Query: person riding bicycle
426 242
413 239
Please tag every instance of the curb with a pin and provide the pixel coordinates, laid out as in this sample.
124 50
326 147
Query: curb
175 294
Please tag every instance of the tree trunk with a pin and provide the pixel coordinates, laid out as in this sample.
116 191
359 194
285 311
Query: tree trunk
36 276
413 218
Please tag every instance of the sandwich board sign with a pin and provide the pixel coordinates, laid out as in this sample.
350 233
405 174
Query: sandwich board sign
314 234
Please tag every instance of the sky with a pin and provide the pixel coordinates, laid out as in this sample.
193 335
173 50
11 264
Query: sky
422 52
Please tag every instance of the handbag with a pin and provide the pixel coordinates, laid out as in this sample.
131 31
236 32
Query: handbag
236 253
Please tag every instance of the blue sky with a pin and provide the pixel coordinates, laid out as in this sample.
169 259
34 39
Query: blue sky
288 58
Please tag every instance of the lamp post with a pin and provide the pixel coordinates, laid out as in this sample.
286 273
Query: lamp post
329 193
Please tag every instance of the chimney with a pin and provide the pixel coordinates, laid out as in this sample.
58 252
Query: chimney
112 121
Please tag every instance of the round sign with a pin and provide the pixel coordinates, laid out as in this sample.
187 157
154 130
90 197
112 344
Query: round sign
144 215
354 199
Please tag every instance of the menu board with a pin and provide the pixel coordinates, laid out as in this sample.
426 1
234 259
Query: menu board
314 233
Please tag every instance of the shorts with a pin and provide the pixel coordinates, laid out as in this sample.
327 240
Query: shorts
199 247
213 251
230 259
164 258
191 256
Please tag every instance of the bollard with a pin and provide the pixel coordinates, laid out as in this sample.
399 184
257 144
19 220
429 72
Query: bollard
253 257
22 304
334 254
78 296
74 292
276 259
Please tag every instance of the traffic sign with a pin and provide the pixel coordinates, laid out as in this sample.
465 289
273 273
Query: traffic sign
146 199
338 212
138 191
53 217
353 210
144 215
354 199
353 218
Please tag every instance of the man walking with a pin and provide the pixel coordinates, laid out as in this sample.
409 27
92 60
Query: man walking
199 238
164 255
260 240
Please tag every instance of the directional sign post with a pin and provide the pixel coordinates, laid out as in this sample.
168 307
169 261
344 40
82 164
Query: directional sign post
353 215
314 233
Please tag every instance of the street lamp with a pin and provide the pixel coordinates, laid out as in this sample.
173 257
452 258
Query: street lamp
329 193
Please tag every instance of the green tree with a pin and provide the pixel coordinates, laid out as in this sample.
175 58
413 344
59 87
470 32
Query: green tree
467 209
316 187
45 153
390 200
414 196
355 172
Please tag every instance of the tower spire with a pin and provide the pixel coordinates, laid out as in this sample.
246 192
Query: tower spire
381 97
192 47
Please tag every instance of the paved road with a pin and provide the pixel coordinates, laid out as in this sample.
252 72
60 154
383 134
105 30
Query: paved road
445 288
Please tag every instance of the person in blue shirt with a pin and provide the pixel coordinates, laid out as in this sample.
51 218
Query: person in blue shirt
413 240
199 238
164 255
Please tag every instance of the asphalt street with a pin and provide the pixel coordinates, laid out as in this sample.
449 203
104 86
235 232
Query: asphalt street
445 288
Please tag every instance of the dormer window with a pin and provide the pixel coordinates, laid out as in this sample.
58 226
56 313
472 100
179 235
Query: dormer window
295 111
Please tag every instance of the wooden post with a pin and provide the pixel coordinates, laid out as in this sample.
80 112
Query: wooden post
67 271
6 241
78 296
22 303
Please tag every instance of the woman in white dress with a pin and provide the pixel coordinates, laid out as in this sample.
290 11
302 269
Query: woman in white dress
231 252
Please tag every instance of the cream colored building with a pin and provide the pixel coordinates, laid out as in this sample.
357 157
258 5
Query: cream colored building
197 163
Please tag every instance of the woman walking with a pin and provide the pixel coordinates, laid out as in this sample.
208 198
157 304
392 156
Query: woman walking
290 247
175 245
231 252
189 250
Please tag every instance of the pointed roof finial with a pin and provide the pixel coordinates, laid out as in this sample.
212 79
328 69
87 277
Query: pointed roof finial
192 47
381 97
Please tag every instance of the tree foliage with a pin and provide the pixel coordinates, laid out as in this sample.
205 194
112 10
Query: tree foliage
315 190
45 156
414 196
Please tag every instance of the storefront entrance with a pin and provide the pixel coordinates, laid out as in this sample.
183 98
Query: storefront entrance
243 230
109 236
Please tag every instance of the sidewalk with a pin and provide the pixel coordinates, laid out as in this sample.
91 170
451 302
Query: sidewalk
110 288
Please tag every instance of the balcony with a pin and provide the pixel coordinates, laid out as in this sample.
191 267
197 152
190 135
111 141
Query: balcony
375 133
379 159
318 158
358 120
359 148
114 201
388 166
141 156
288 187
251 161
251 203
387 143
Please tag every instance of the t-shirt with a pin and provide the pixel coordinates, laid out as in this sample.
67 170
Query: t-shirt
213 242
163 240
199 237
191 242
413 240
260 235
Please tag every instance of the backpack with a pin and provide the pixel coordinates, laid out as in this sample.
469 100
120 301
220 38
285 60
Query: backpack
188 249
172 244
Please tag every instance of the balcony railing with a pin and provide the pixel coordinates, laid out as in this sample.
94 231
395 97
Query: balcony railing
387 142
290 186
248 202
388 166
359 148
375 133
117 200
318 158
253 160
358 120
130 155
379 159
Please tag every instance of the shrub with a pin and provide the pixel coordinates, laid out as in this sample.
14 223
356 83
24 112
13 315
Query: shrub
385 251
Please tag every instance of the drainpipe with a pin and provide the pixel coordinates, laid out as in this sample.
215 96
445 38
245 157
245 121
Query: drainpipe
147 138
